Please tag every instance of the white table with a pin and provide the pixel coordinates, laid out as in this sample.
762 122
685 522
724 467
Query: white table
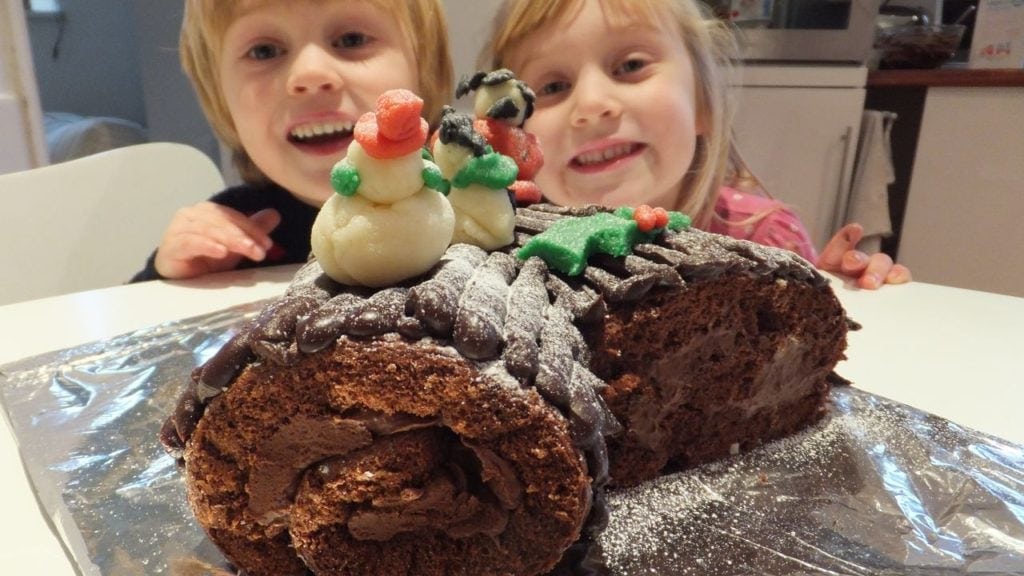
955 353
29 546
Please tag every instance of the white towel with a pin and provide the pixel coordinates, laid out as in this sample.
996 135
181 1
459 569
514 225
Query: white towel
872 174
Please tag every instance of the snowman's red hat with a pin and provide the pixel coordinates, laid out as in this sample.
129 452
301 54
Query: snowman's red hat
396 128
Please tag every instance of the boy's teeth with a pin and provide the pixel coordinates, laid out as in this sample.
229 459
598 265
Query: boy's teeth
605 155
319 129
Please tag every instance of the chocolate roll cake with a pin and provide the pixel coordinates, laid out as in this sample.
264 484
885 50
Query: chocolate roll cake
468 420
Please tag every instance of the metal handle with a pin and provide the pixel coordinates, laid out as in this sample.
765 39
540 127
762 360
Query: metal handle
842 195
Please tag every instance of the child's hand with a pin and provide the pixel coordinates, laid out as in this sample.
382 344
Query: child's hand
209 237
841 256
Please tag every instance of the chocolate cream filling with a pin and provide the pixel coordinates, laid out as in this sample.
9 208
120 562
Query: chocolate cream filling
470 489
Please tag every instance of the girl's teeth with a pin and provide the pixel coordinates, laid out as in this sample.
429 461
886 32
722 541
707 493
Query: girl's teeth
605 155
310 130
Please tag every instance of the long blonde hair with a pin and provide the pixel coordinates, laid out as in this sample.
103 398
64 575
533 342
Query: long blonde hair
711 47
205 22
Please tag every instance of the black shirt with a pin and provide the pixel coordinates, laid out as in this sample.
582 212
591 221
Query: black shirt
291 237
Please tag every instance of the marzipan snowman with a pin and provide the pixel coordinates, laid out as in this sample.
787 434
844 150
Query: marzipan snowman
499 96
484 211
502 104
389 220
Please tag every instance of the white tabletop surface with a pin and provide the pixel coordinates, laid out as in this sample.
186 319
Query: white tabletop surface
952 352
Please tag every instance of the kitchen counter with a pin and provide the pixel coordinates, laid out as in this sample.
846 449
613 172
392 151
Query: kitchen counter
963 77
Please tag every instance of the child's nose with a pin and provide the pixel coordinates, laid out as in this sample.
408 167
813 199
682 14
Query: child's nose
594 98
313 70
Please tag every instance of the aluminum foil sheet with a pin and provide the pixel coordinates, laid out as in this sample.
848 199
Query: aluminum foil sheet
877 488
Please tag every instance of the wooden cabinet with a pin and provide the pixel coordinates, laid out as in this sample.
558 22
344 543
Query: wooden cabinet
797 127
964 222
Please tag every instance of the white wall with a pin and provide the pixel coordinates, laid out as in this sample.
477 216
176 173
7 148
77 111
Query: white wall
96 69
21 141
172 111
119 58
469 22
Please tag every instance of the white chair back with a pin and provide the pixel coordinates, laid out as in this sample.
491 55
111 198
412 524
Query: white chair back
92 222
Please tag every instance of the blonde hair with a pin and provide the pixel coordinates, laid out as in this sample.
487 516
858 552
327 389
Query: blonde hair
206 21
711 47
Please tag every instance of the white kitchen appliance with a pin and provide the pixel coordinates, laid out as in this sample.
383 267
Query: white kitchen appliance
802 30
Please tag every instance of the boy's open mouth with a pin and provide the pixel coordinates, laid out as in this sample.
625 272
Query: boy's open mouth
600 159
320 133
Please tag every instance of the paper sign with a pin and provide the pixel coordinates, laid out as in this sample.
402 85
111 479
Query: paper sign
998 35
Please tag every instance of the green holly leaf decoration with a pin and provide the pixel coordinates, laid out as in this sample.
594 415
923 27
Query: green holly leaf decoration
568 243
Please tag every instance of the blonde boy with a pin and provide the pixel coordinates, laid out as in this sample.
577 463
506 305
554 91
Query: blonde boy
283 82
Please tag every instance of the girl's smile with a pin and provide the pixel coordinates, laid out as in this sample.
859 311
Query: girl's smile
616 108
599 157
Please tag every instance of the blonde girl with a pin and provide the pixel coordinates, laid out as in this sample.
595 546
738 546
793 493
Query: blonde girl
633 108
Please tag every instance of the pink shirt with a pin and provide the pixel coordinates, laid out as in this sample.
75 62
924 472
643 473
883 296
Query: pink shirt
763 220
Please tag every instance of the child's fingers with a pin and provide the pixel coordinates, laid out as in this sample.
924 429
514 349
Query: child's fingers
245 245
186 255
209 237
240 234
192 246
840 255
266 221
229 233
899 274
853 263
845 240
878 267
249 236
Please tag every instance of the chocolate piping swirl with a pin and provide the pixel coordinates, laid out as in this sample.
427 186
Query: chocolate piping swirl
479 322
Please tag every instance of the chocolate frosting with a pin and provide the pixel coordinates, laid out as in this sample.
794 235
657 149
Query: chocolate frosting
490 307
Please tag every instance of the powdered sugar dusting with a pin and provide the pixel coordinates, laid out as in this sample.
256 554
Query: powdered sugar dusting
480 321
843 497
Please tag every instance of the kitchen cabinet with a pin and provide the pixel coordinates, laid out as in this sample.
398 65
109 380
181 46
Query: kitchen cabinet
964 221
797 127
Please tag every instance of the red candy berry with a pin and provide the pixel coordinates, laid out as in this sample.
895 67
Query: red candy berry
526 192
646 220
660 217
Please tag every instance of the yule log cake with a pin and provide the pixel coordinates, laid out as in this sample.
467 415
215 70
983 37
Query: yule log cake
466 417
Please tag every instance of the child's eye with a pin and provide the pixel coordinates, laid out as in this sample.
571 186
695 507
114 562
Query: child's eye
352 40
264 52
630 66
552 88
